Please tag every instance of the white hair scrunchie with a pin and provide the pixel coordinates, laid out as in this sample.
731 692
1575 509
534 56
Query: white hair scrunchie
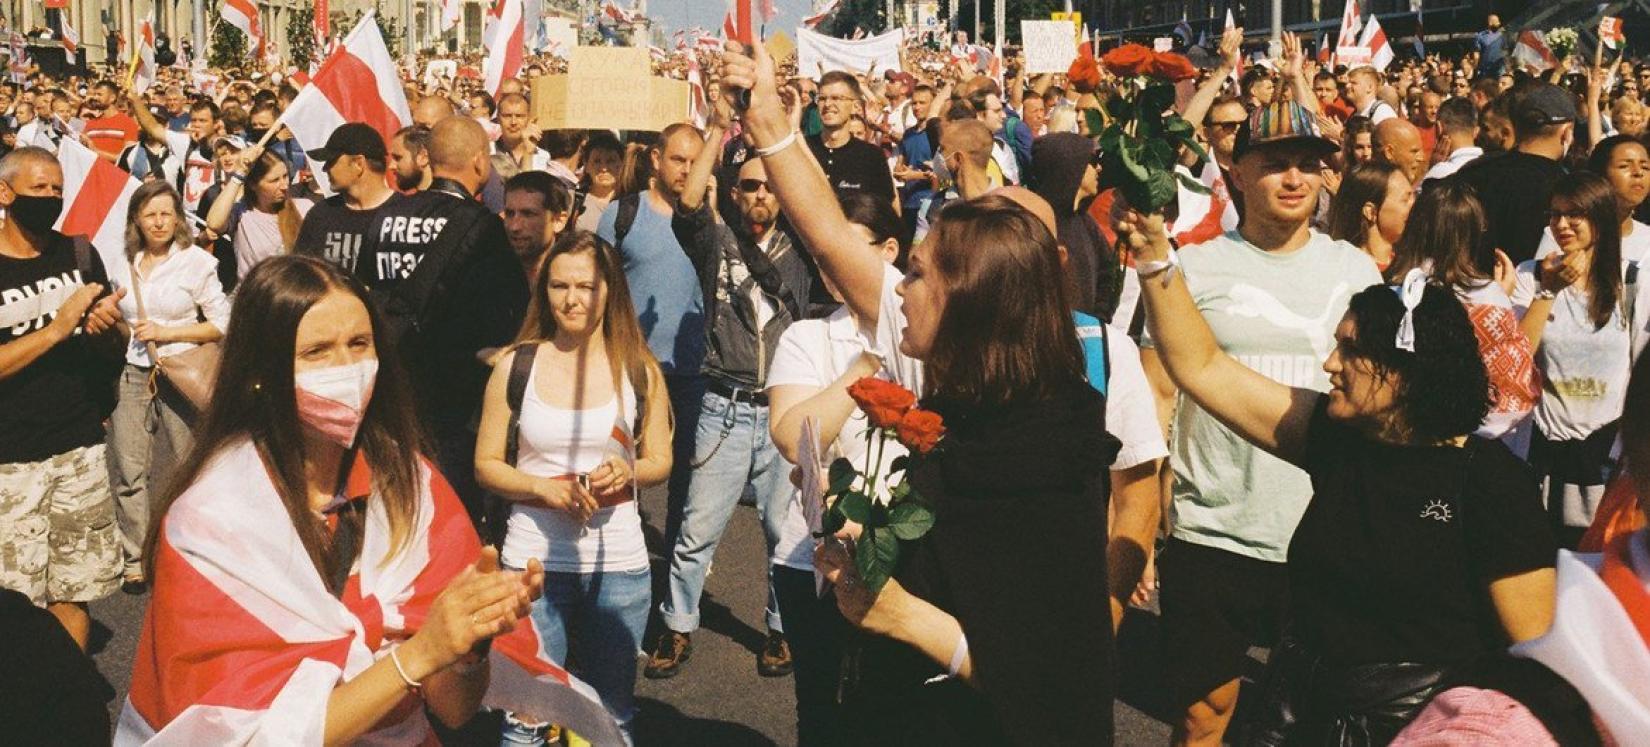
1410 293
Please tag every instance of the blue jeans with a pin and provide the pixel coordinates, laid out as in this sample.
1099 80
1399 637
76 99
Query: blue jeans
604 616
687 395
732 448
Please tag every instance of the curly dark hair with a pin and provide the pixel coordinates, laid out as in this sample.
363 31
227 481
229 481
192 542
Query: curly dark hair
1443 390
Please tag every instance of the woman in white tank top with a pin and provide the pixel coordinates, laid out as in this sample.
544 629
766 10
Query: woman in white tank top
591 387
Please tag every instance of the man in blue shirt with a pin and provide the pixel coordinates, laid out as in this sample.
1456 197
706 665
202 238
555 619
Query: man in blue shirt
665 289
1492 48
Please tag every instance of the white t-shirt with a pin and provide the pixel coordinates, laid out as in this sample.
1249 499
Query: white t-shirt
1379 111
556 442
1635 246
197 169
1585 369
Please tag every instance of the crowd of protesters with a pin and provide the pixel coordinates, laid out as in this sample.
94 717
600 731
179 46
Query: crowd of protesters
1357 396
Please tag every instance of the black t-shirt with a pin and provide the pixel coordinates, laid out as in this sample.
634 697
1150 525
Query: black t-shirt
1515 189
477 300
336 232
58 402
1393 558
858 165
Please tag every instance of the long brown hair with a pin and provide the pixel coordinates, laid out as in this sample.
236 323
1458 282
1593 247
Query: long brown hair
289 220
1006 334
253 398
1442 232
134 208
627 352
1363 184
1592 195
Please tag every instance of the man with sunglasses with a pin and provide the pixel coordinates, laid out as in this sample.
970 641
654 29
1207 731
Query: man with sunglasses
755 283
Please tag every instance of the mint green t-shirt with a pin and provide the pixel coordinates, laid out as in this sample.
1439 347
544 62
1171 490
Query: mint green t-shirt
1275 313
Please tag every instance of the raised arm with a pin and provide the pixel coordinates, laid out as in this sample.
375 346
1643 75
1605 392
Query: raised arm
1294 63
145 118
1231 45
698 179
1262 411
804 194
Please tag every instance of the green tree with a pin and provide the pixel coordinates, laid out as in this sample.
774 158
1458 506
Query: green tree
1016 11
855 14
229 47
300 37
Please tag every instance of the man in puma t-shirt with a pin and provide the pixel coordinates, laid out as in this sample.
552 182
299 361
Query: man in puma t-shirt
1272 291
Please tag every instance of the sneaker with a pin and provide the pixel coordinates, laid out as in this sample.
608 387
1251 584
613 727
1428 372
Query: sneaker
775 658
670 652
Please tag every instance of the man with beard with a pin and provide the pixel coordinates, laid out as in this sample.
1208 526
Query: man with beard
410 155
109 130
192 148
537 207
755 283
335 228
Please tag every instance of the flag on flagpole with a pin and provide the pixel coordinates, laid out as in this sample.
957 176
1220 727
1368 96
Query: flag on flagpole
1420 34
357 83
1183 30
242 14
1610 32
505 39
737 24
820 14
1374 40
698 107
1351 22
1532 51
613 11
143 72
71 42
95 197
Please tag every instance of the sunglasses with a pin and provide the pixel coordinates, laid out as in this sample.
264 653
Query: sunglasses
750 186
1233 125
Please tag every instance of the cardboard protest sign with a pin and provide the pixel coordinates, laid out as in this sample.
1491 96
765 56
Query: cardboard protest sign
780 46
1050 46
609 88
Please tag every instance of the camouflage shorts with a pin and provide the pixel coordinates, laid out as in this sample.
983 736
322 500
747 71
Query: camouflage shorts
58 541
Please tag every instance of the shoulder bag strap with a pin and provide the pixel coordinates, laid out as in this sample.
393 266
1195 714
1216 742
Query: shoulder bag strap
629 205
515 392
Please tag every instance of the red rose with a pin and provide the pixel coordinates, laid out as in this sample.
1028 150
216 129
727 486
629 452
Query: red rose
884 402
1172 67
1129 59
1084 74
919 430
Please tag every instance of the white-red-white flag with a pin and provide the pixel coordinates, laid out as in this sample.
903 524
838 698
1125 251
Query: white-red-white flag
698 107
613 11
821 14
506 40
95 197
71 42
737 25
1532 51
1237 70
1374 40
357 83
1351 22
766 11
243 643
242 14
144 69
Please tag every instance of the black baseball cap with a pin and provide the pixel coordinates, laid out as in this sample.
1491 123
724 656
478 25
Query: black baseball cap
353 139
1542 104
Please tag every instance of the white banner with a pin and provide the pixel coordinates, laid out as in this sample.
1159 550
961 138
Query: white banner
1050 46
817 53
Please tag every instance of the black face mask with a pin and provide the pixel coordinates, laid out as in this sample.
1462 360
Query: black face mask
36 214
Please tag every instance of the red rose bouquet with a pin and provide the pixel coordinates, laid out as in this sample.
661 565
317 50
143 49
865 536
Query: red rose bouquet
1141 144
853 495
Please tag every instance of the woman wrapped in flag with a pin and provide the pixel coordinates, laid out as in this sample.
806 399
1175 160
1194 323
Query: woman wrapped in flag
315 580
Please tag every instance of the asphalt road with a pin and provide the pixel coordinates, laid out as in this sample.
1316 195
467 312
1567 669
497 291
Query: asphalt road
718 699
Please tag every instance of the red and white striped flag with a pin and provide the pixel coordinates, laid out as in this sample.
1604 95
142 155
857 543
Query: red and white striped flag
737 24
356 84
1237 70
1351 22
613 11
825 11
279 642
95 197
767 12
242 14
1610 32
1532 51
144 68
1374 40
698 107
506 44
71 42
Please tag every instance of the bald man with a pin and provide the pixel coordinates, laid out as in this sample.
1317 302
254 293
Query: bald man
440 266
965 147
1398 142
430 111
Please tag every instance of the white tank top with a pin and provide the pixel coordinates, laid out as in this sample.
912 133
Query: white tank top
556 442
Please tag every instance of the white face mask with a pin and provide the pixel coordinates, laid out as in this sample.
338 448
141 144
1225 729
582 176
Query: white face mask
333 400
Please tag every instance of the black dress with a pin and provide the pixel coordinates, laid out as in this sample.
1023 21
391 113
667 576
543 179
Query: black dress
1018 555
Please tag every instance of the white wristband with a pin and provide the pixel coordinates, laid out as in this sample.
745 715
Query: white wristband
1164 267
784 142
959 654
412 684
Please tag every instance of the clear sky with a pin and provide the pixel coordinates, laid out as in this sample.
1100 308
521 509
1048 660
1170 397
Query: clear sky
681 14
